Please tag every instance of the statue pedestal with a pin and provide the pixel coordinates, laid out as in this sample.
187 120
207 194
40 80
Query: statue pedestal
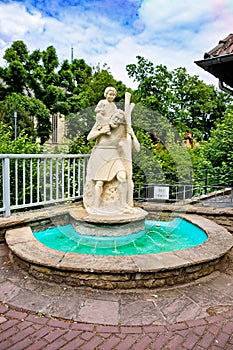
108 225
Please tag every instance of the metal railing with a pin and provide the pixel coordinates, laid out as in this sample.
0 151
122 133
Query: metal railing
212 194
197 185
34 180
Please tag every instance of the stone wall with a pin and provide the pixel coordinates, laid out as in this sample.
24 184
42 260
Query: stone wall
221 216
137 273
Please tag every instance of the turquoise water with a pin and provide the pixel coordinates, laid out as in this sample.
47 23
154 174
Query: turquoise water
158 237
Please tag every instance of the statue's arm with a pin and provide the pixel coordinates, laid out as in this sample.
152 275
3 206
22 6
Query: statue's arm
135 142
95 132
100 107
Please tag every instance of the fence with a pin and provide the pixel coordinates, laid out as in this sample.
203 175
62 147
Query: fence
209 185
34 180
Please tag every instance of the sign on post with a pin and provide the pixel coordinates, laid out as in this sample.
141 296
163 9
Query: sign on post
161 192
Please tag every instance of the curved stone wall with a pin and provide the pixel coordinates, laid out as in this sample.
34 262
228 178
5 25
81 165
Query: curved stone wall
109 272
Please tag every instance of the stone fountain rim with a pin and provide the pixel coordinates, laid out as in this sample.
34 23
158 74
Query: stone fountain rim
27 248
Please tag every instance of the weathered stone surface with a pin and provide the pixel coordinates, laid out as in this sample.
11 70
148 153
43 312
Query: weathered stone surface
80 214
124 225
105 312
158 262
150 270
19 235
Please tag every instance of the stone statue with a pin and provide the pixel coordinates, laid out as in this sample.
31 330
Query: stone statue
109 186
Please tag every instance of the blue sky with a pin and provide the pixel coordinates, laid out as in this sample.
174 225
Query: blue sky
170 32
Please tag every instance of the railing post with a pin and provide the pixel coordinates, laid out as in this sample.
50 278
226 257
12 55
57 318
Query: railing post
170 186
206 181
6 187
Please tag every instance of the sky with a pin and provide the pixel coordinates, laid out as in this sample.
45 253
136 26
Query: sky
174 33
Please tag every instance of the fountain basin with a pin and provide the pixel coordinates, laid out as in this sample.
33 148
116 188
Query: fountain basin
109 272
153 238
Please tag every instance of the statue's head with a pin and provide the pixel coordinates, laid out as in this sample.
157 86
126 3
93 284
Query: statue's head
110 88
117 118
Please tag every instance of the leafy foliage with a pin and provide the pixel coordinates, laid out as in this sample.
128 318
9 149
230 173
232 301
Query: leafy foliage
22 144
184 100
168 103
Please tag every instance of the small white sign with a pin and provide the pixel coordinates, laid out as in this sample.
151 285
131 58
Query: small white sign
161 192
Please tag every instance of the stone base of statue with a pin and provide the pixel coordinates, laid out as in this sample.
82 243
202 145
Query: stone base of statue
99 224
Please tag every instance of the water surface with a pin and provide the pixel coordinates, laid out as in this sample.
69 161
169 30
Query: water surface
158 237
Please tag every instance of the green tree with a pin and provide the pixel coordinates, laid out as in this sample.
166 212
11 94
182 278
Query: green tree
218 152
32 115
22 144
15 74
184 100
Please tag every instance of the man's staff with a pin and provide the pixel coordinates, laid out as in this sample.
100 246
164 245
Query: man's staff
129 144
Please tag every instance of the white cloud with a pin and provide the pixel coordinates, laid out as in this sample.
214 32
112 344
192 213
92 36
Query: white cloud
15 22
166 15
173 33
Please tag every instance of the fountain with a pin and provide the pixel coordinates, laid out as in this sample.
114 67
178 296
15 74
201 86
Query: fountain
113 243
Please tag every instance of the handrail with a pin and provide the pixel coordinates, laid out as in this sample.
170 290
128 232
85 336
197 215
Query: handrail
43 155
34 180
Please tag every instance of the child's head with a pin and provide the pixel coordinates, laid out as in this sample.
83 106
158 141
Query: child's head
110 89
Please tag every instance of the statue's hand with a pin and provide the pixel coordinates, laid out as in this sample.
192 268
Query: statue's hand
105 130
130 131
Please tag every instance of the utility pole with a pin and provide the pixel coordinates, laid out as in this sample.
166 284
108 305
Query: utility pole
15 123
72 53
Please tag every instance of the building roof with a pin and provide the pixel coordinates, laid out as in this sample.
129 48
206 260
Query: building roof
219 61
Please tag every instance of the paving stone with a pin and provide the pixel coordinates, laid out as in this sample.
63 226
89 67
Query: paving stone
55 334
107 329
131 330
160 342
95 316
83 326
73 345
190 341
143 343
9 324
222 340
68 306
3 308
56 345
110 343
38 345
207 340
58 323
175 342
37 319
141 312
92 344
99 311
16 314
127 343
8 291
31 301
2 319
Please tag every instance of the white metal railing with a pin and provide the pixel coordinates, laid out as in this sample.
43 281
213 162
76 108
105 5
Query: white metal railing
34 180
29 180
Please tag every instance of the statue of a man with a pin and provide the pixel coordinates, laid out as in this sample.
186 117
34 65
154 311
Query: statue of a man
109 186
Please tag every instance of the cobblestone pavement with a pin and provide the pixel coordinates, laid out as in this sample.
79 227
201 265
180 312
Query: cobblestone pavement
40 315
